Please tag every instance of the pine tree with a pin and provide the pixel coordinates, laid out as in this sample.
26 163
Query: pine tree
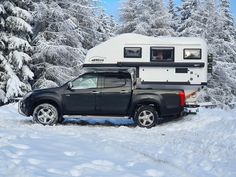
192 20
146 17
226 16
221 86
212 26
174 16
130 11
64 30
160 19
15 48
106 26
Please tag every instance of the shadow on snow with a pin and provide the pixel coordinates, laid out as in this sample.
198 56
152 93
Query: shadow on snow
112 122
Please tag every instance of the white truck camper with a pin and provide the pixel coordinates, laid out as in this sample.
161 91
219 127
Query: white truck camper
160 62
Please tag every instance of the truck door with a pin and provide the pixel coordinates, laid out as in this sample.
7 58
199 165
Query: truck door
116 94
80 99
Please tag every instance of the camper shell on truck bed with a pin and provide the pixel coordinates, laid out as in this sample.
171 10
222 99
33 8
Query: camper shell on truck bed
160 62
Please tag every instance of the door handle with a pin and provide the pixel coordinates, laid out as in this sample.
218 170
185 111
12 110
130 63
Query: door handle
95 92
124 91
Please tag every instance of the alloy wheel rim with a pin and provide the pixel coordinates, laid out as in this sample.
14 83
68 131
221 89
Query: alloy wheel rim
46 114
146 118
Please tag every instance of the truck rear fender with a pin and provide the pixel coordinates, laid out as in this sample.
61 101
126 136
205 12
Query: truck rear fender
154 100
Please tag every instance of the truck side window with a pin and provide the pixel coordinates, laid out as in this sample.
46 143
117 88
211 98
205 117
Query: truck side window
192 54
85 82
132 52
162 54
113 81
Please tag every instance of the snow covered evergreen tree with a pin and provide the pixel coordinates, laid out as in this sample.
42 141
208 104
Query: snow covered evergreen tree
192 19
229 30
146 17
15 49
221 38
174 23
64 30
212 23
159 18
106 26
129 15
185 11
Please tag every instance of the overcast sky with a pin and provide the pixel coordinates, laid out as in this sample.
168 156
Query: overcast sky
112 6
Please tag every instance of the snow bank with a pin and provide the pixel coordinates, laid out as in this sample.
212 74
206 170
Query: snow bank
201 145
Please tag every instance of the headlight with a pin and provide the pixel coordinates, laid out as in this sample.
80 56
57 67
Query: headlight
27 95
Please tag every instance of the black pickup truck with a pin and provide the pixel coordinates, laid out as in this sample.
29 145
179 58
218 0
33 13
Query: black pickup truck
103 92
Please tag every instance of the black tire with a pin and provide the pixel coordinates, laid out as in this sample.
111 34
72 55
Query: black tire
146 116
46 114
60 119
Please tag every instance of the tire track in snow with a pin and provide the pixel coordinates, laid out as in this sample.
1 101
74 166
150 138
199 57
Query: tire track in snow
159 161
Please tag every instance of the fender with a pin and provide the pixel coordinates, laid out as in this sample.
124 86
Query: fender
143 99
47 98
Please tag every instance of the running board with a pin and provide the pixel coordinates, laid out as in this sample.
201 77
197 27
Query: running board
91 116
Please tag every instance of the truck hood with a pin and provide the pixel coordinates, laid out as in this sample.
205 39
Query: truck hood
55 89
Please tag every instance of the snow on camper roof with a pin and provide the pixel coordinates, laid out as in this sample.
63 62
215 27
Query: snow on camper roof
132 38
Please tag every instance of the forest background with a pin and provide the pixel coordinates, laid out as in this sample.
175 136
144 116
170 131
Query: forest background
43 43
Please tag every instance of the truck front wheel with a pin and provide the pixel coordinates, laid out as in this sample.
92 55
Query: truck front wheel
146 116
46 114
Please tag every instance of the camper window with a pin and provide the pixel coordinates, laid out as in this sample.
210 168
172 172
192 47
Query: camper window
162 54
192 54
132 52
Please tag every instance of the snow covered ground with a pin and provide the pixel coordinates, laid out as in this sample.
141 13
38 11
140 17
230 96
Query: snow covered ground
202 145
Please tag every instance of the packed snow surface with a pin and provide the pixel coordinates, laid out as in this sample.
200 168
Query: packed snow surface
202 145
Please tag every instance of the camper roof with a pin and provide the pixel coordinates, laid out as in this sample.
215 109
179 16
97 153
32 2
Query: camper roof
134 39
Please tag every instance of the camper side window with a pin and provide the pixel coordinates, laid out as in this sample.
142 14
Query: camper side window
132 52
192 54
162 54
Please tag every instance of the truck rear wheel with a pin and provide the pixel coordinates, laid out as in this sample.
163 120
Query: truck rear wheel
45 114
146 116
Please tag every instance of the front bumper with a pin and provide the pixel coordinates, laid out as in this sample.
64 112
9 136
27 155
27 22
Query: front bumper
22 108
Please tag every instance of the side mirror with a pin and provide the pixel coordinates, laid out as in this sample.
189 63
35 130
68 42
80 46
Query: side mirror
70 85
